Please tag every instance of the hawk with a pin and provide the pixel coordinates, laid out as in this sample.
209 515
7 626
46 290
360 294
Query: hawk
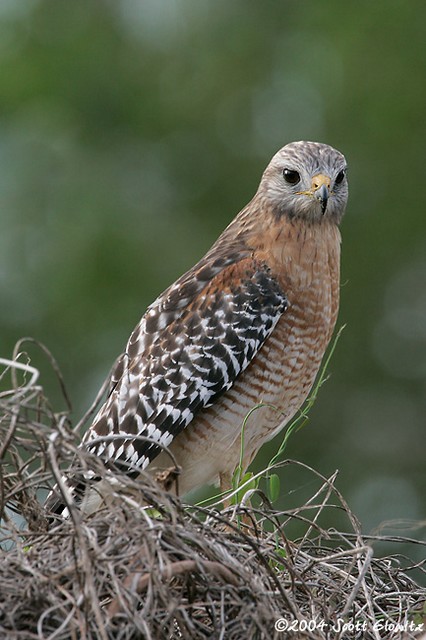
248 324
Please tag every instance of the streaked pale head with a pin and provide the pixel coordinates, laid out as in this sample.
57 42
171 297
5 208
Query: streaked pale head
306 180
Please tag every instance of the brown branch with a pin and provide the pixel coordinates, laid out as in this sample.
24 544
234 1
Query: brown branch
139 583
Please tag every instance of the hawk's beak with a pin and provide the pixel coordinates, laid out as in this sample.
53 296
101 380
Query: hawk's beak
321 189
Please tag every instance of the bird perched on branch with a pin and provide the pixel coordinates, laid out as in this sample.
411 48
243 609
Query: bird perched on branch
248 324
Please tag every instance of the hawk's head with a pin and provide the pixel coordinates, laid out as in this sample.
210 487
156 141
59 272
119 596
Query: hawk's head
307 180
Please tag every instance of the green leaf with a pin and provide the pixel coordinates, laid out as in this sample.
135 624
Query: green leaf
251 484
273 487
249 477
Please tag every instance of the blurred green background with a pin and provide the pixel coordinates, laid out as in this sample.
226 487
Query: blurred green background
131 133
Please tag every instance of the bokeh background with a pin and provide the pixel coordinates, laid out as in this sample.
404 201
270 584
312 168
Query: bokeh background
132 131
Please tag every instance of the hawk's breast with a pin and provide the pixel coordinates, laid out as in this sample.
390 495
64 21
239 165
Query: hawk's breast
282 373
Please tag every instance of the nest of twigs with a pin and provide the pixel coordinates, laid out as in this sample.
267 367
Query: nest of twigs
173 571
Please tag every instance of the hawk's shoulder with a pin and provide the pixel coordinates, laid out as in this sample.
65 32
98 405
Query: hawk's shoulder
189 348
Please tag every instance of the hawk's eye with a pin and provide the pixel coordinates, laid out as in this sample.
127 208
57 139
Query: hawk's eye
339 177
291 176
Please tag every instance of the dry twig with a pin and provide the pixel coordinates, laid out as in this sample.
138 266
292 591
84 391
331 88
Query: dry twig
173 571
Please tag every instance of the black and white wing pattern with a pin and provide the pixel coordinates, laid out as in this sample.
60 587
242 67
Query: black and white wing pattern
189 348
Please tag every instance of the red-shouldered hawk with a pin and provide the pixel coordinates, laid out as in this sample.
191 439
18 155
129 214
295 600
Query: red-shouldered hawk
248 324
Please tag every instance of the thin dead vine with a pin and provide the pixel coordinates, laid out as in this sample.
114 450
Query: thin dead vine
175 571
